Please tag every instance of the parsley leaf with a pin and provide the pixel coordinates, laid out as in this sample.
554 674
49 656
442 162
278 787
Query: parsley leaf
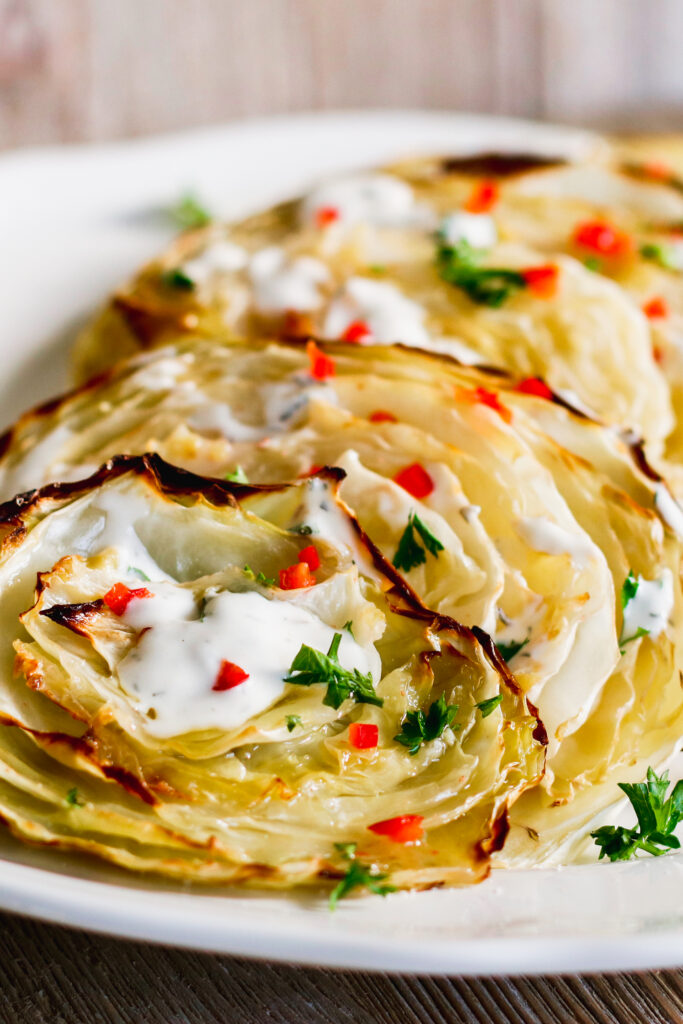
508 651
629 588
72 798
593 263
311 666
487 707
178 279
662 255
348 626
188 212
260 577
418 728
488 286
139 573
657 819
238 476
411 549
292 722
357 874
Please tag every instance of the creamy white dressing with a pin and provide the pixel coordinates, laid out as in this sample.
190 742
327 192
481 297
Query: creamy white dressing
391 316
176 661
285 401
282 284
477 229
668 508
115 528
320 512
221 257
650 608
543 535
378 199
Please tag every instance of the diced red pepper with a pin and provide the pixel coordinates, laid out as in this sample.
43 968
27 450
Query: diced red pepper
294 577
482 396
229 676
658 169
356 332
363 735
322 366
310 556
311 471
326 215
406 828
119 597
483 197
542 281
534 386
601 237
382 416
415 479
656 308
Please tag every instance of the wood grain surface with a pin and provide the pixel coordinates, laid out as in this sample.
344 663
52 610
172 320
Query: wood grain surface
101 69
52 976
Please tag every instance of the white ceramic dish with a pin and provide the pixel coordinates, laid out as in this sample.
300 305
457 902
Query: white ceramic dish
77 220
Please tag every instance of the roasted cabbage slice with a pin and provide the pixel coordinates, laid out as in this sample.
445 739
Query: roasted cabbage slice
200 690
530 520
539 267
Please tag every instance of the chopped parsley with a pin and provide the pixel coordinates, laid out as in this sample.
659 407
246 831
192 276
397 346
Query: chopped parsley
139 573
238 476
260 577
302 528
72 798
593 263
178 279
662 255
348 626
508 651
357 875
487 707
418 728
311 666
657 817
292 722
188 212
459 265
629 589
415 540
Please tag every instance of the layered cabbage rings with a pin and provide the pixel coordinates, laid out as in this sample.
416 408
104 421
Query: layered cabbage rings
177 729
570 272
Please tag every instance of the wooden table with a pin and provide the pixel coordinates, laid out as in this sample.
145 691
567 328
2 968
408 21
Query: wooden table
49 975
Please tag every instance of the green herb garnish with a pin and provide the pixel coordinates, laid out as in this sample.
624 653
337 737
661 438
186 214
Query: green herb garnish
311 666
302 528
348 626
487 707
357 875
188 212
459 265
418 728
411 548
292 722
662 255
629 589
177 279
134 571
508 651
657 819
593 263
238 476
72 798
260 577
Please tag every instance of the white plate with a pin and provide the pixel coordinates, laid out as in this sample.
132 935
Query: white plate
74 222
